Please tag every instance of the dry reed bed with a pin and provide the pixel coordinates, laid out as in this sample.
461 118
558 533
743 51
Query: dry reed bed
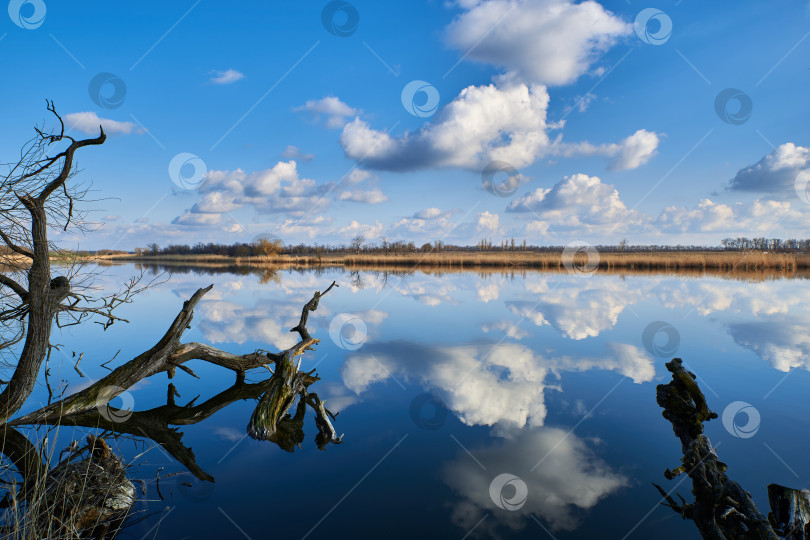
606 261
755 265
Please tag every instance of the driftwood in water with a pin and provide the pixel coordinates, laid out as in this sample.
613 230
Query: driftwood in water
285 385
722 509
326 431
270 421
289 383
90 494
159 424
168 354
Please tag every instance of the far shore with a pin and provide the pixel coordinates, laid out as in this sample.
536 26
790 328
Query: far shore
692 262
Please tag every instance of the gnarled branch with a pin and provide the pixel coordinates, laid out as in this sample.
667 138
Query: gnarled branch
67 164
167 355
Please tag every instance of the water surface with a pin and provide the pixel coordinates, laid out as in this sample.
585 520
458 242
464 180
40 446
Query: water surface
444 382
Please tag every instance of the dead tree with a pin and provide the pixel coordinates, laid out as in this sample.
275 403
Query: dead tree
271 421
722 509
35 195
278 393
169 354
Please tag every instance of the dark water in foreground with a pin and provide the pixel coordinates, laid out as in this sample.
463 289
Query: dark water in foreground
445 383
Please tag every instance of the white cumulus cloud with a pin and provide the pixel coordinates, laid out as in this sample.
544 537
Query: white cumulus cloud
482 124
570 480
774 173
504 121
578 201
550 42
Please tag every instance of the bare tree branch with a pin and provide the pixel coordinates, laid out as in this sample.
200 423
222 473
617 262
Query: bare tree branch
68 163
21 291
14 247
168 354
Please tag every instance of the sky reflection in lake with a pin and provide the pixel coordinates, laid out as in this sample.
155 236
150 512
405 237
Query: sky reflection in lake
460 378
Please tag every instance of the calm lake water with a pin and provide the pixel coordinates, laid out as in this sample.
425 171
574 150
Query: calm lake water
446 382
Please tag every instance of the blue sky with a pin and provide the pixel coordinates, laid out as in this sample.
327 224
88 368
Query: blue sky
602 129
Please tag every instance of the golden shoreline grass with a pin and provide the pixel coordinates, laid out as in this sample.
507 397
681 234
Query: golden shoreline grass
683 261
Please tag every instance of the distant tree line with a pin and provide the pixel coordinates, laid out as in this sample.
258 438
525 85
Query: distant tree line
262 247
765 244
359 245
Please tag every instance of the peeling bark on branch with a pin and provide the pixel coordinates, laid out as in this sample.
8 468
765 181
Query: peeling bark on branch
326 431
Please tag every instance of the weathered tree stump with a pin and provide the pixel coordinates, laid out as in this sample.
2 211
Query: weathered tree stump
76 499
722 509
790 511
91 493
289 383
